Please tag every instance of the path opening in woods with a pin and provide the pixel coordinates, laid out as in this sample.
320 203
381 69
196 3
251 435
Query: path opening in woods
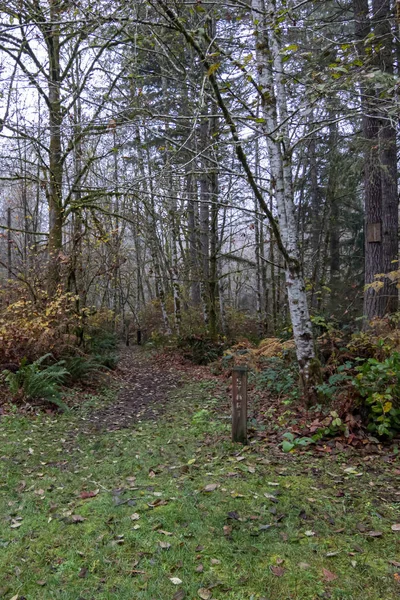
139 493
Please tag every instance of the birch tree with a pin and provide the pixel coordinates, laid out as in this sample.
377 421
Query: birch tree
272 91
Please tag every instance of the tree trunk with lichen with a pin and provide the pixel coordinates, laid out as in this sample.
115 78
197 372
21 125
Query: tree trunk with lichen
55 158
271 80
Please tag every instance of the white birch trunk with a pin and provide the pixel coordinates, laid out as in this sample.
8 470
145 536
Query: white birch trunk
274 107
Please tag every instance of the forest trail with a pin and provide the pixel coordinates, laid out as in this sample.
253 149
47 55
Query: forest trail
139 493
145 386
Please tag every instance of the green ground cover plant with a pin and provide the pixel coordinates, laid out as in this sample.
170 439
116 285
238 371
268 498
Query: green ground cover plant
172 509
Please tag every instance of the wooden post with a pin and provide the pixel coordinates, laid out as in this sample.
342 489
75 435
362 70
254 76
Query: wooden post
239 404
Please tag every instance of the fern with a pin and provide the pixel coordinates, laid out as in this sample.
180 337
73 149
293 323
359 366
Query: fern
35 381
80 367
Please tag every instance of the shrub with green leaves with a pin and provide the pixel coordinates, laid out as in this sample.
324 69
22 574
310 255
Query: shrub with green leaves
279 379
102 341
36 380
290 442
342 376
200 350
102 344
379 383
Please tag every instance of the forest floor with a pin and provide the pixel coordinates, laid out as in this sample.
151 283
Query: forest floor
138 493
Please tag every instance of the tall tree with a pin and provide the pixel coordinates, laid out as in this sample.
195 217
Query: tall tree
375 47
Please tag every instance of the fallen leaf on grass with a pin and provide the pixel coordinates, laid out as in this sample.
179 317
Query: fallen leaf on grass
396 527
233 515
15 597
375 534
199 568
86 495
352 471
175 580
119 541
135 517
83 573
304 566
227 530
270 497
164 545
15 524
309 533
204 593
136 572
277 571
180 594
211 487
328 575
158 502
21 486
394 563
77 519
41 583
164 532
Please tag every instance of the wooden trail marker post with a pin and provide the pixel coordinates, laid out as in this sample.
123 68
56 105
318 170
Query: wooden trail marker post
239 404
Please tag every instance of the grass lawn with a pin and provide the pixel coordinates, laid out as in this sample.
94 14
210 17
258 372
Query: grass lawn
175 511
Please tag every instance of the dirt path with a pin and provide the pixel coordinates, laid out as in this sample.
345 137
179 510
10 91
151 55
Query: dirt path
146 384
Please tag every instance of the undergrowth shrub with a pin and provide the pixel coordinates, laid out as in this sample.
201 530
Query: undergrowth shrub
36 380
329 389
279 378
108 361
378 382
31 329
201 350
102 344
102 341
